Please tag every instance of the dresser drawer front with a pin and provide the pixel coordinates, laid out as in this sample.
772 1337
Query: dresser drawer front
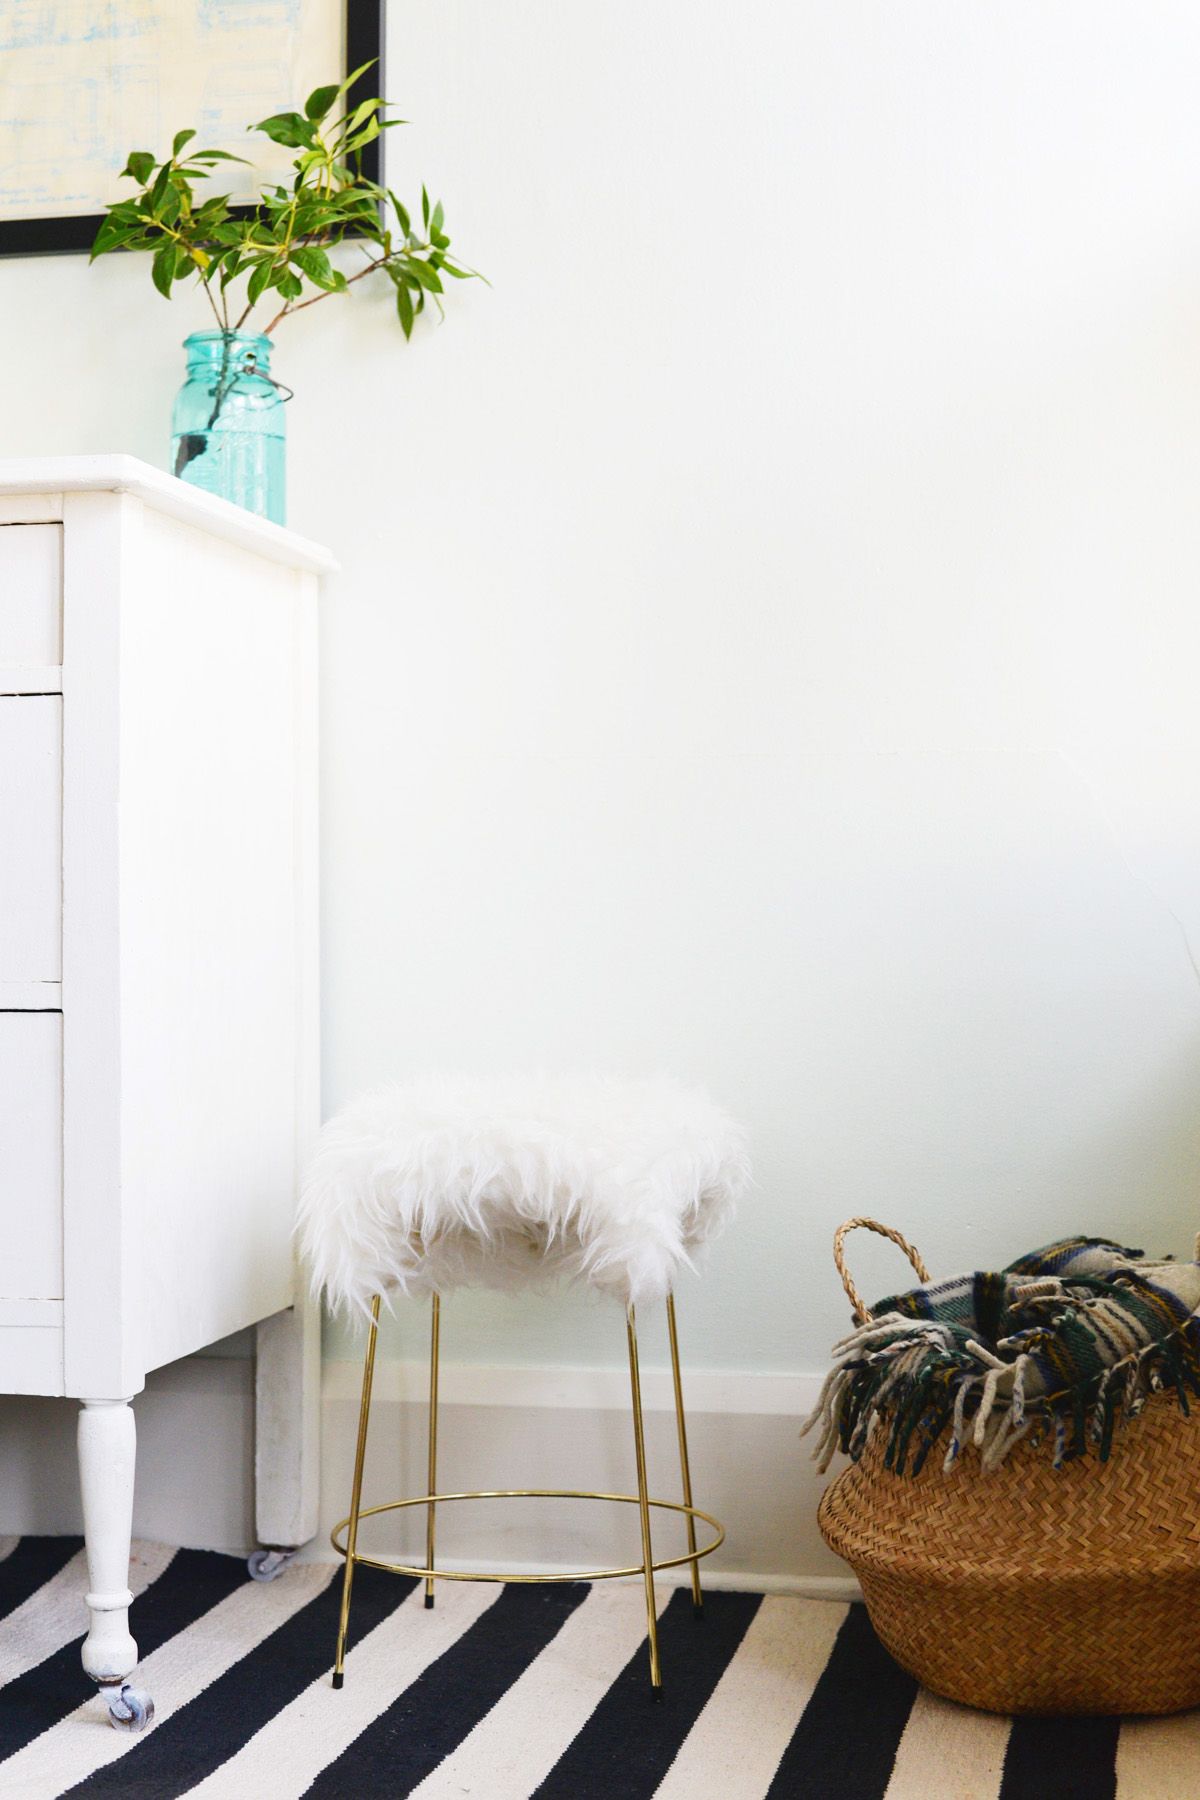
31 1266
30 595
30 837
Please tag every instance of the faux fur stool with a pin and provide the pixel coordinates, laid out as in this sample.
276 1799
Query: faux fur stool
432 1185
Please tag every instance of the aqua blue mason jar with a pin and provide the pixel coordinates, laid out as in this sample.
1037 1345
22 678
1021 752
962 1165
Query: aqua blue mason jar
228 425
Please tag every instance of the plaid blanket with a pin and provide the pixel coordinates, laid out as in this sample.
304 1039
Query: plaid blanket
1062 1345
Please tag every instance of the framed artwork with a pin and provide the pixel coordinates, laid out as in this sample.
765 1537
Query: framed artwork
83 82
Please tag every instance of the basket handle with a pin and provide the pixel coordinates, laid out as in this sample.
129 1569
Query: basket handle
862 1311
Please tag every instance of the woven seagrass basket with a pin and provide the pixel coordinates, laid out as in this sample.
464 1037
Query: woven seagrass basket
1032 1589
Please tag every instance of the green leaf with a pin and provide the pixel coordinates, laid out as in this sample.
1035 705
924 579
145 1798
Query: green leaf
162 271
448 268
256 286
367 135
111 236
139 165
316 265
401 213
437 221
313 218
404 307
292 129
181 138
289 285
425 206
169 207
320 101
162 184
428 278
354 76
361 113
212 214
217 156
106 238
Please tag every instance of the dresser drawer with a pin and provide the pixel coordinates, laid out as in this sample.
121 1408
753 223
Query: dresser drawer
31 1155
30 837
30 595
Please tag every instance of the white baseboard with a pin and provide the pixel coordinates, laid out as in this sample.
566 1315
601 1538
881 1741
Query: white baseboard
760 1392
838 1588
501 1427
843 1588
532 1427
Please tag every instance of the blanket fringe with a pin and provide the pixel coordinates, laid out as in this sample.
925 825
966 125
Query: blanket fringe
919 1379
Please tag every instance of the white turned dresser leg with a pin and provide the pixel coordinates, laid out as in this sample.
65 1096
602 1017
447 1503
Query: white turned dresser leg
107 1453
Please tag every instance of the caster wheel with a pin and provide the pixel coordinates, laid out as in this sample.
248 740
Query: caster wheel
265 1565
129 1709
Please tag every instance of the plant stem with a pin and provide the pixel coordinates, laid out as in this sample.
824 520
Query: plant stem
222 324
194 444
287 311
224 384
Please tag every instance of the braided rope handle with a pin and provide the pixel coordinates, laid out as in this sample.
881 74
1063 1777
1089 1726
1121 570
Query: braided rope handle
862 1311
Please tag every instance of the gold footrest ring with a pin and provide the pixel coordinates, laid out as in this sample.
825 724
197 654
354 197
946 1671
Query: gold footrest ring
667 1562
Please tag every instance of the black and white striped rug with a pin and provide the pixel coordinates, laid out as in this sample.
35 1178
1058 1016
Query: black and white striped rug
506 1693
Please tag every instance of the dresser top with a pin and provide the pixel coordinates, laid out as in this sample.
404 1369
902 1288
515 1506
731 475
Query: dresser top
166 493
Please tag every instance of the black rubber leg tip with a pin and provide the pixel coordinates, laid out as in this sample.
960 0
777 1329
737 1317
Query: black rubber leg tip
429 1603
656 1695
698 1613
338 1678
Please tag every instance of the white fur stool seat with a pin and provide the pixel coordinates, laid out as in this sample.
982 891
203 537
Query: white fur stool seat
431 1185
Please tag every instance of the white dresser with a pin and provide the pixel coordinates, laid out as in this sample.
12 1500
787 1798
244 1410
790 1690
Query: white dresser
158 1025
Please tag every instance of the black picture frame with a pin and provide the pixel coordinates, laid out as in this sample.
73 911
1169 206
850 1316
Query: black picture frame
74 233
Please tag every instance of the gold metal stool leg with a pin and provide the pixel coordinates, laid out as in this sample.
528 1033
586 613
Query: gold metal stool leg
639 1442
685 1471
364 1413
435 1333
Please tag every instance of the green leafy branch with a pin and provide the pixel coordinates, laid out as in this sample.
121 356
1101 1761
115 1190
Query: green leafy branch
281 246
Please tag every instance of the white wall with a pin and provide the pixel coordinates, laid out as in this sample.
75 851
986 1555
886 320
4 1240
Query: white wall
768 637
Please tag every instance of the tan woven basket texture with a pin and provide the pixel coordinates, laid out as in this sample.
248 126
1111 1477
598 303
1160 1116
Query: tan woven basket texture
1031 1589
